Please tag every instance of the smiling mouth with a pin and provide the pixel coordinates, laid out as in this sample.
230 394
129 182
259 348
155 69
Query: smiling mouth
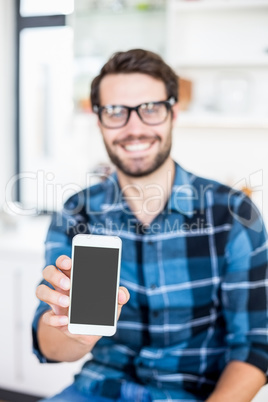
140 146
137 144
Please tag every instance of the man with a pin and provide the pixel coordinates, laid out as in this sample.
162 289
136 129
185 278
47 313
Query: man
194 261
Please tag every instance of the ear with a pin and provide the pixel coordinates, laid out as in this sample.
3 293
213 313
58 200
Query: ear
175 110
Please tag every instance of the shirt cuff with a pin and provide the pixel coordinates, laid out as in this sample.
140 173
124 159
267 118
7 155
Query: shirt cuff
42 308
255 357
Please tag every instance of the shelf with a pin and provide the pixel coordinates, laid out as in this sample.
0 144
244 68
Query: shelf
222 64
29 234
219 39
220 121
217 5
126 12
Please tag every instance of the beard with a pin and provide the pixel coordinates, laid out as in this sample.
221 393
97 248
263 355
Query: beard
138 168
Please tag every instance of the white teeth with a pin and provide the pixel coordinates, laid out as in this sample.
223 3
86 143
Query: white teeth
137 147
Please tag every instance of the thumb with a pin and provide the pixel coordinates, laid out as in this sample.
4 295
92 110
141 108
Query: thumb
123 295
123 298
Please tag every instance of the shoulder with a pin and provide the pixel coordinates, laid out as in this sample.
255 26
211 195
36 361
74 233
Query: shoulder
215 192
231 203
203 184
92 198
227 204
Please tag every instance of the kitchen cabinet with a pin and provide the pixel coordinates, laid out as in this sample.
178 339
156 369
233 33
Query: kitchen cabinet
216 33
222 46
102 28
21 262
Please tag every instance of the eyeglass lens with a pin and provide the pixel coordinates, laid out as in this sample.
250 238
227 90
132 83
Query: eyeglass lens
150 113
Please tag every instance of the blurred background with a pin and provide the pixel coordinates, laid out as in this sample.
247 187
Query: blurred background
51 147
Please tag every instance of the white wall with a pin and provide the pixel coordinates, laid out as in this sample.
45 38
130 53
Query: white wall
236 157
7 93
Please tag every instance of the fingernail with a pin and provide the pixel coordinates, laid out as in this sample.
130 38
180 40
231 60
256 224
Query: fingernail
45 318
65 283
122 297
64 301
65 263
63 320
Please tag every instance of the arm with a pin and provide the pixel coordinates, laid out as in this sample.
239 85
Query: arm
239 382
244 305
56 345
55 341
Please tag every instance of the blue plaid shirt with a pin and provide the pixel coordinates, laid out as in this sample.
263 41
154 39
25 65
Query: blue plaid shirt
197 277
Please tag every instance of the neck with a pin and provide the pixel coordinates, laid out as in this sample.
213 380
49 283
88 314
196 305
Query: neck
147 195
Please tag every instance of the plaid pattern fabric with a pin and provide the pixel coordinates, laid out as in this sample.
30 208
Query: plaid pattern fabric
197 276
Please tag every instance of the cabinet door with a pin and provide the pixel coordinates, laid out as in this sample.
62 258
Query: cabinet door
8 347
34 377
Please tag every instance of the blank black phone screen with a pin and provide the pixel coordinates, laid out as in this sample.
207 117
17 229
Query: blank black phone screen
94 285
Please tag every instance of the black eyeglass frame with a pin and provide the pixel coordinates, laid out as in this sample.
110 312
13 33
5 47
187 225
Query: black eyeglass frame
168 103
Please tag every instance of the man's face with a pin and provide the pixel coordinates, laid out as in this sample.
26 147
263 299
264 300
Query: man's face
137 149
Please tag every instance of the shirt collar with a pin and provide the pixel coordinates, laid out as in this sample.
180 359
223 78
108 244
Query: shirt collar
113 195
180 200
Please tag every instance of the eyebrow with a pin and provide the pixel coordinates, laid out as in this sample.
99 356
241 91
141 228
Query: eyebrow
139 104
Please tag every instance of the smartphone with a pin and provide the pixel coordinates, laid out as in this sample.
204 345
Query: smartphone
95 279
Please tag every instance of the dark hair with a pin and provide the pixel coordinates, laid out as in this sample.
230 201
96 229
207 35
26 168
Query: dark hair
136 61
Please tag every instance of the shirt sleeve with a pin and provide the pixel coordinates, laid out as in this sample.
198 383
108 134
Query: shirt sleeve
245 287
73 219
57 243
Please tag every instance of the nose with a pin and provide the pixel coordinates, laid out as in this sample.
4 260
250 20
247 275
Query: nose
134 122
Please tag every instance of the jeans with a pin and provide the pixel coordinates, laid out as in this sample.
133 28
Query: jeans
130 392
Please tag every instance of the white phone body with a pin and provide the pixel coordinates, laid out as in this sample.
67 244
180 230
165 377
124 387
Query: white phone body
95 276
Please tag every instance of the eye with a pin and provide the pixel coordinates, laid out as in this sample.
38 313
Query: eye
150 108
114 111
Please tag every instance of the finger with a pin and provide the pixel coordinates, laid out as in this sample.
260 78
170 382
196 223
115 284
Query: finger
50 318
57 310
119 309
123 295
52 297
64 263
56 278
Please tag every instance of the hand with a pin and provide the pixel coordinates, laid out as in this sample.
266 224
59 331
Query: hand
59 299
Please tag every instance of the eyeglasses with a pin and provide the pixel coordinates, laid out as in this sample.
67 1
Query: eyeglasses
151 113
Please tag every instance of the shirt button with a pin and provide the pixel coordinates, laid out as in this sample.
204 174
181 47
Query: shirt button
153 286
150 242
155 314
